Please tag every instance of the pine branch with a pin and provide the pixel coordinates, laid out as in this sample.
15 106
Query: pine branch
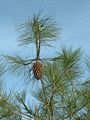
21 99
16 111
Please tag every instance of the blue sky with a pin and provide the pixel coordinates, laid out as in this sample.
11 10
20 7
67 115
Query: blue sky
73 16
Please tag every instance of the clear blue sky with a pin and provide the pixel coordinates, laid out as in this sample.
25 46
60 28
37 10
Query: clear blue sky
73 16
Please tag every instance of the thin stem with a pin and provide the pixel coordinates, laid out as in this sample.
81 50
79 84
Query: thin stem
37 38
43 89
50 104
42 59
51 109
26 108
45 101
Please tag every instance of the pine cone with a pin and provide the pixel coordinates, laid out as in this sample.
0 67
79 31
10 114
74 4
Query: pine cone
37 70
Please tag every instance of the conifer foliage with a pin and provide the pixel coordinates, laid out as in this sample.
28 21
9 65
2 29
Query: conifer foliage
63 93
39 30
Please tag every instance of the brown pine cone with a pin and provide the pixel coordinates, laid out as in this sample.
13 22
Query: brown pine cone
37 70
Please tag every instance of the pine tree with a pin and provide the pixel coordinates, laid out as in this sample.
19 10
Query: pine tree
61 94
